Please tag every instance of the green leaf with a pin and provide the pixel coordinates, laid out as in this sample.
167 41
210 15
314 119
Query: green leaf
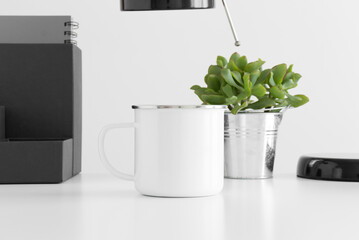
297 100
284 103
276 92
213 82
255 76
290 68
279 72
232 66
247 83
262 103
195 87
242 62
243 95
221 61
227 76
235 57
296 77
289 84
227 90
210 91
259 90
241 89
199 91
264 76
214 69
237 76
271 80
253 66
288 76
214 99
231 100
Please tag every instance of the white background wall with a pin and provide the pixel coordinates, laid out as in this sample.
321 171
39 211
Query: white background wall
155 57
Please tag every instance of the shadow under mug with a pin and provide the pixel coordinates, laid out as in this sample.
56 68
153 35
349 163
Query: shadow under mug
178 150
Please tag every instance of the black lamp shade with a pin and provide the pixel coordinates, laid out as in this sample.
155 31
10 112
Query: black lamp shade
147 5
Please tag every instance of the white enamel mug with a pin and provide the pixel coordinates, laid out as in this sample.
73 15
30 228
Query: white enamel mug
178 150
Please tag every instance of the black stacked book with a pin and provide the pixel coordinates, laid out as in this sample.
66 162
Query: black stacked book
40 89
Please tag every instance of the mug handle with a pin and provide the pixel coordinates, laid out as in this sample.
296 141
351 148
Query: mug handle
102 152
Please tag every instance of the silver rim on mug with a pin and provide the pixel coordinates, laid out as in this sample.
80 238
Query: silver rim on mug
179 107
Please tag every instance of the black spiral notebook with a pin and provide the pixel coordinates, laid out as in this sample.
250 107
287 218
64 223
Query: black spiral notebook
40 88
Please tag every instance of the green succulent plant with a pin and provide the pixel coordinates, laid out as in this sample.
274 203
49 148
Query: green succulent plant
242 85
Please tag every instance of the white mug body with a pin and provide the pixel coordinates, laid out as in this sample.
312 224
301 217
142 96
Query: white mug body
179 152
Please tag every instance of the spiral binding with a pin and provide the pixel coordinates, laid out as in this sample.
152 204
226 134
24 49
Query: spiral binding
70 41
73 26
71 34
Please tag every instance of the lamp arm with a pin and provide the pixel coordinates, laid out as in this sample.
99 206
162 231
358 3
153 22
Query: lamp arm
236 43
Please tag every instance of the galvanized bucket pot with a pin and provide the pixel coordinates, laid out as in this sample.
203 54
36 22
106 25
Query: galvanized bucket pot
250 144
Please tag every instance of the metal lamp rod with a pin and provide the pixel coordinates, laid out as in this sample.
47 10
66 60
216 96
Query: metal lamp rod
236 43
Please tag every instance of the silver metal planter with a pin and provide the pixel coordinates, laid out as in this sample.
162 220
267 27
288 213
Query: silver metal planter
250 144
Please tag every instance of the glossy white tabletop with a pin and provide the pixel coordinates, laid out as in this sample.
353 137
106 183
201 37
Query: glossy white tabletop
90 207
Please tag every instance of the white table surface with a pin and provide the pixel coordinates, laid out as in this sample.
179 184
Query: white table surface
102 207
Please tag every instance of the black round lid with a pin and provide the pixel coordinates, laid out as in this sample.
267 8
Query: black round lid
148 5
335 167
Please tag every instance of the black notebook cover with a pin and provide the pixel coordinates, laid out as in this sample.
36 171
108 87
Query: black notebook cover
40 86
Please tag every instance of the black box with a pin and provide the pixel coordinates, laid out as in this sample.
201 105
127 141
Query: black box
36 161
40 87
